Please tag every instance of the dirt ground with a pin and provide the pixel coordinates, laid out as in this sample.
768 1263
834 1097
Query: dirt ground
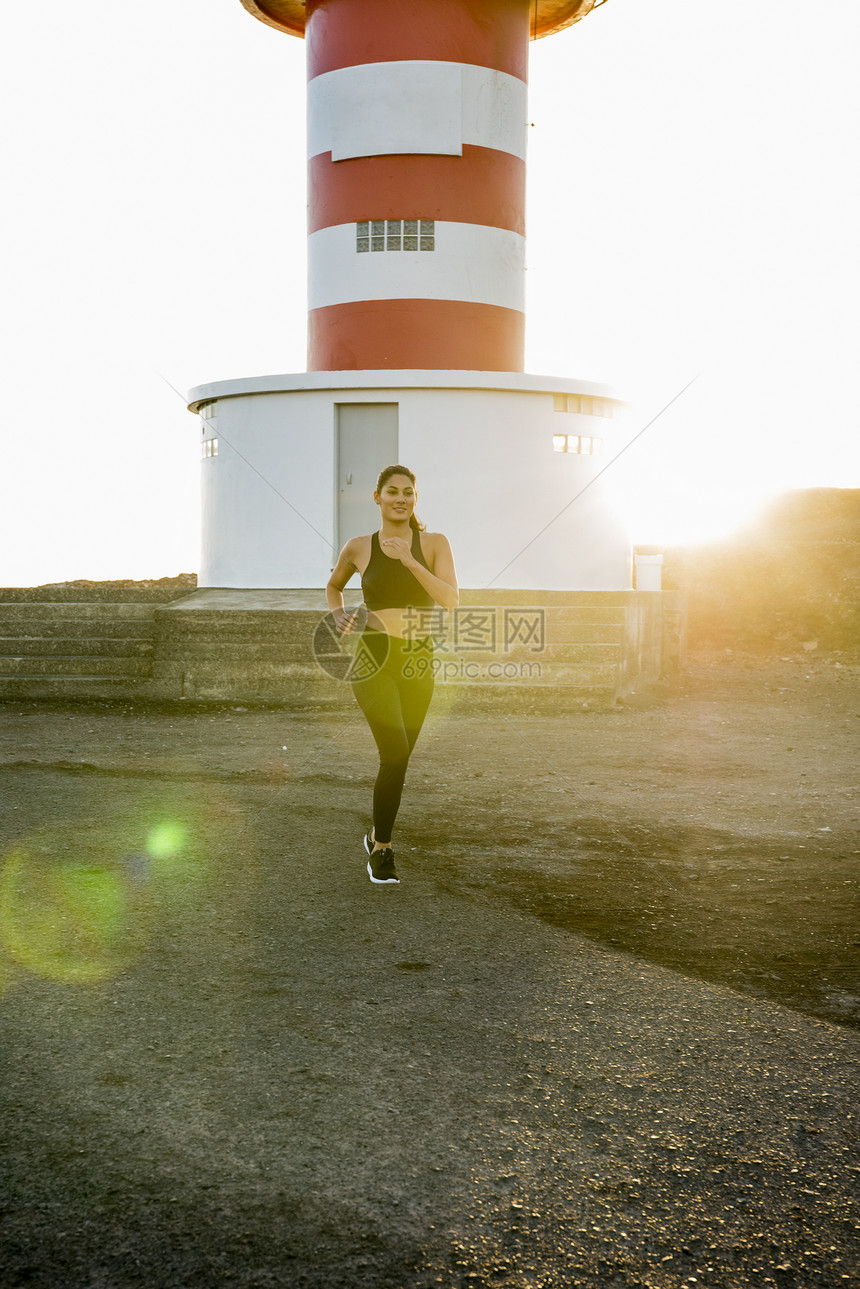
603 1033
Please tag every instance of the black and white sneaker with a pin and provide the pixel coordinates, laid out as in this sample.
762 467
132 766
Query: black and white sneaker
380 867
368 842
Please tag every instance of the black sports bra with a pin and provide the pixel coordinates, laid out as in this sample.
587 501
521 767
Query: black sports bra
389 584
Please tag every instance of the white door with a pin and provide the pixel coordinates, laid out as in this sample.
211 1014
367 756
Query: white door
366 443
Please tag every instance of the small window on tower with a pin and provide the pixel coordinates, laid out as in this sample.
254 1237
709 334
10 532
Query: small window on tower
395 235
584 404
210 447
579 444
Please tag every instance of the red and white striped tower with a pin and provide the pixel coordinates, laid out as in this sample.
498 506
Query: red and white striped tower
417 118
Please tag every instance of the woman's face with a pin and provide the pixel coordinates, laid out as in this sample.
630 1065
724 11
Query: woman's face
397 498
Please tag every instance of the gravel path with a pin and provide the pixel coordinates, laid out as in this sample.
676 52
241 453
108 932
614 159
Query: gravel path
229 1059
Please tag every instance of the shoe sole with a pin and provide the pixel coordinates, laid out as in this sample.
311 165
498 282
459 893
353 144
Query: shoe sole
381 881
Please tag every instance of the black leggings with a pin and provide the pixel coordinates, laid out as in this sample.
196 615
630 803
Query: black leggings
393 684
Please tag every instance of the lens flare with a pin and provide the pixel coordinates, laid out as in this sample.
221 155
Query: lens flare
8 975
81 901
70 919
166 839
175 867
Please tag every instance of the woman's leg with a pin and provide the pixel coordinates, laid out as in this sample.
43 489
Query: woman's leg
415 690
394 701
379 699
416 684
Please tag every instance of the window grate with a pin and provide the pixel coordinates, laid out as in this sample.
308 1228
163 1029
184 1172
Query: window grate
582 444
395 235
584 404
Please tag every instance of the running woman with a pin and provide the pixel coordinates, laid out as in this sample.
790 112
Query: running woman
405 572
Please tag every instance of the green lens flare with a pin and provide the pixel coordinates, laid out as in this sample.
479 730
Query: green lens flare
80 900
67 920
8 975
166 839
174 866
94 899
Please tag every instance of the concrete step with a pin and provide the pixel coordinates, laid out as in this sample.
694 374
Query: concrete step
310 684
241 653
95 593
564 614
304 688
562 599
586 618
187 631
66 665
233 600
591 653
238 625
550 630
311 693
238 670
585 676
27 618
178 618
109 688
76 646
254 653
73 629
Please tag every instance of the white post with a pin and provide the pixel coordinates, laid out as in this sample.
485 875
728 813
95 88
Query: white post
649 572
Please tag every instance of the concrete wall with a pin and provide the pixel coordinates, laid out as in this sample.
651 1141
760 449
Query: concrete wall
481 447
265 646
268 496
655 637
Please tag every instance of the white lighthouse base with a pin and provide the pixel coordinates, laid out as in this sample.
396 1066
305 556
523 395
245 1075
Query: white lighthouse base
289 464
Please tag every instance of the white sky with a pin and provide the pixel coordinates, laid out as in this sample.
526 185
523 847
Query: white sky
693 206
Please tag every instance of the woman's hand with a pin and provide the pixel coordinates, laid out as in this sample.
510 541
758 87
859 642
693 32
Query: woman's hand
398 548
345 620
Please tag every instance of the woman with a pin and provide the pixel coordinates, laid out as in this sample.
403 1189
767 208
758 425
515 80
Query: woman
405 572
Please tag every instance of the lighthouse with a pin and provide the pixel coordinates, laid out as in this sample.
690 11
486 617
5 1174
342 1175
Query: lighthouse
416 185
417 122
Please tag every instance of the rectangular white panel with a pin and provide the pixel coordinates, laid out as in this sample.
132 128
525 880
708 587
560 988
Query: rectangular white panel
472 262
415 107
495 110
381 108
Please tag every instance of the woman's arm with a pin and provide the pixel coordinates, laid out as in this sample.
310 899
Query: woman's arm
341 573
441 583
